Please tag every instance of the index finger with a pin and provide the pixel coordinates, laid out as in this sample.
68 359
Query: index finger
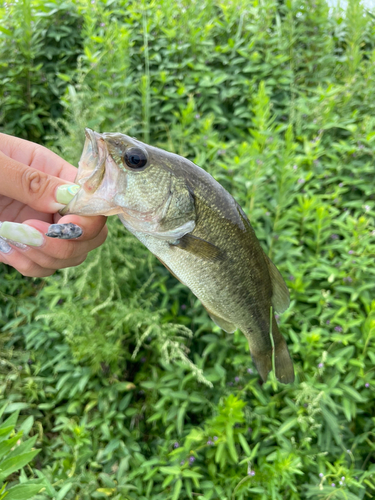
29 186
37 156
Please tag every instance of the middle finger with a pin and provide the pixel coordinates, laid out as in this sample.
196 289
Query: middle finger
52 253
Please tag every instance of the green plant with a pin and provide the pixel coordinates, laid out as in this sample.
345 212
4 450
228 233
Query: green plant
39 46
274 99
14 455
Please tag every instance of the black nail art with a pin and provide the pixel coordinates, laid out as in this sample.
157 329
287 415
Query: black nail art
64 231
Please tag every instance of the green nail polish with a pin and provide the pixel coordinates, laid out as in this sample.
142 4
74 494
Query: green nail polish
21 233
66 192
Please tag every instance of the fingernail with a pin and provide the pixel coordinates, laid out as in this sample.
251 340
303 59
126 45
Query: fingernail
64 231
4 246
21 233
66 192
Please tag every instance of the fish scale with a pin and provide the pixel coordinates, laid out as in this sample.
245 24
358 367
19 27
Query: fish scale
197 230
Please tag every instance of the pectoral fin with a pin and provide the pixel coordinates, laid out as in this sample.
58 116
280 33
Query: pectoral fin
172 234
199 247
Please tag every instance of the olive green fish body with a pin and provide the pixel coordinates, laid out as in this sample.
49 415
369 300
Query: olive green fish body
233 283
199 232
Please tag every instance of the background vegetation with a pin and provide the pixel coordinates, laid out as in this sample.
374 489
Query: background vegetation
123 383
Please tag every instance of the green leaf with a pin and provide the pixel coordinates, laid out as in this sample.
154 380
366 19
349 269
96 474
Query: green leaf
191 473
23 491
7 444
155 416
63 491
66 78
5 31
180 418
27 425
244 444
10 465
16 407
23 447
173 469
9 422
168 480
288 424
254 451
230 442
3 408
332 424
177 489
352 393
220 450
347 409
4 433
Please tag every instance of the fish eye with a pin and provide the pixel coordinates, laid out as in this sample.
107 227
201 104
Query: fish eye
135 158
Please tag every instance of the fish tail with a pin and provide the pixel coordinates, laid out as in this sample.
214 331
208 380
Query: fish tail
262 362
263 358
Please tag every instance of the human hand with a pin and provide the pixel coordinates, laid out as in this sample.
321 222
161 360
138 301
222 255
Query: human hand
31 177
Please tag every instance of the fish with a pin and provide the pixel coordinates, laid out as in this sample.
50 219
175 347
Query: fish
196 229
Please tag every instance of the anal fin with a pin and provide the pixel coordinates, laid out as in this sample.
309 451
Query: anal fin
225 325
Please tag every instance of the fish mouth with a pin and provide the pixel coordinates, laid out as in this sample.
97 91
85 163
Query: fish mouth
97 177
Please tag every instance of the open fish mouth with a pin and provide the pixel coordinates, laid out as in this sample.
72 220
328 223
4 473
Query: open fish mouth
97 177
92 163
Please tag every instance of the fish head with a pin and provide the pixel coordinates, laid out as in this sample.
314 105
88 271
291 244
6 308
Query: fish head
118 174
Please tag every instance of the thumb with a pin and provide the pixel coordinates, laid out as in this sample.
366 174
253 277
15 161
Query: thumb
29 186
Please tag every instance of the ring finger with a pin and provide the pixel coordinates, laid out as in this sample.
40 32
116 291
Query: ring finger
49 252
15 258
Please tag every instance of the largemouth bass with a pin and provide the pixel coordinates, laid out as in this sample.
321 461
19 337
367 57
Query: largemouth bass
196 229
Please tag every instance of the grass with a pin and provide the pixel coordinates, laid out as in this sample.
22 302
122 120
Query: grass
110 359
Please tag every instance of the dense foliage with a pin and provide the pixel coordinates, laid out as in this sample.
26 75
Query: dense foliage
132 390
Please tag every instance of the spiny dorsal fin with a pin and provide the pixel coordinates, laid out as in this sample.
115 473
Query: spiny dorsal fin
200 248
280 293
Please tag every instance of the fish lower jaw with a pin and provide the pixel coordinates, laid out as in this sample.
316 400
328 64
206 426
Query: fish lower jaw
89 205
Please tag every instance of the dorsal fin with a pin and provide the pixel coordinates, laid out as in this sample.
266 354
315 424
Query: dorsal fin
280 294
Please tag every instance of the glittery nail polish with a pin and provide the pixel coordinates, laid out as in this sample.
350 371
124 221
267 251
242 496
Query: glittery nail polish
4 246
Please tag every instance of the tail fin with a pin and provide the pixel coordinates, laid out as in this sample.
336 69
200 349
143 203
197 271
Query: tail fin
263 359
283 364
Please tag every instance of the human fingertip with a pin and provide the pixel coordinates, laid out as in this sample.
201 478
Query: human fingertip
66 192
67 231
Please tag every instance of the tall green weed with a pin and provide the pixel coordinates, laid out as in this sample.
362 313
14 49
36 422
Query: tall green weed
274 99
39 46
